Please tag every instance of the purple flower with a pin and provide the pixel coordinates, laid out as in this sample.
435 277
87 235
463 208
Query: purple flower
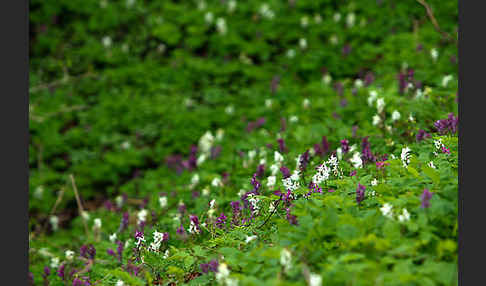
182 208
346 49
204 267
304 160
339 88
444 126
236 207
255 183
221 221
292 219
260 171
360 193
124 222
109 205
354 130
195 222
215 151
213 265
343 102
31 278
88 251
345 146
165 236
283 124
119 250
421 135
426 196
285 172
47 271
366 156
281 145
318 150
77 282
402 83
180 230
369 78
110 251
353 173
274 83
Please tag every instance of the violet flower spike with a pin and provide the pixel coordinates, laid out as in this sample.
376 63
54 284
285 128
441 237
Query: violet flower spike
360 193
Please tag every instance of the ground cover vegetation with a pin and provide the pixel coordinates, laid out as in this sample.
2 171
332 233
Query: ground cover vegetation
243 142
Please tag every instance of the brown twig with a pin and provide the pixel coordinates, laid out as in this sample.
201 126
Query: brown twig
63 80
78 200
430 14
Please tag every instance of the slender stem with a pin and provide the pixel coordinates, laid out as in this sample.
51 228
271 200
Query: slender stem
80 206
274 210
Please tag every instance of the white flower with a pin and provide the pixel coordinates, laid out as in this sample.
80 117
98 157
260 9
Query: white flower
304 21
221 26
337 17
229 109
206 141
209 17
374 182
54 220
119 283
130 3
293 119
431 165
254 203
205 192
103 3
395 115
266 12
97 223
339 153
219 134
125 145
446 79
201 159
223 273
38 192
216 182
376 119
350 19
241 192
263 161
392 156
290 53
106 41
303 43
163 201
285 259
251 154
322 174
127 243
54 262
201 5
271 180
268 103
387 210
405 156
405 216
317 19
112 237
158 237
372 97
306 103
358 83
419 94
274 169
119 201
195 179
315 279
166 254
85 215
356 160
334 39
326 79
140 239
231 5
250 238
69 255
411 118
278 158
434 54
142 215
380 104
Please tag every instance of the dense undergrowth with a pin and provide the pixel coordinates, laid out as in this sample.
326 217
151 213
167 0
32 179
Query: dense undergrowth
243 143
